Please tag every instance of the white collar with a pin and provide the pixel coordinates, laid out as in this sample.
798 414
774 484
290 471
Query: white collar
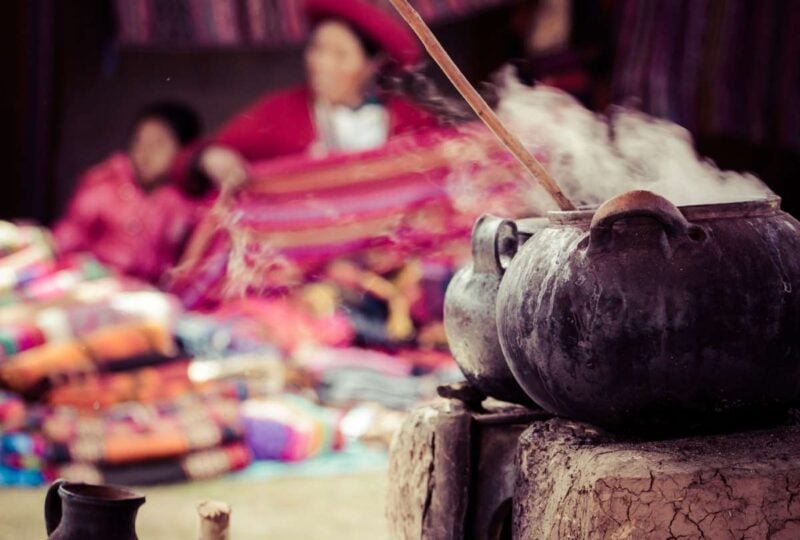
341 128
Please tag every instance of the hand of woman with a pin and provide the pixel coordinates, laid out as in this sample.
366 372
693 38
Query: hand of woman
225 167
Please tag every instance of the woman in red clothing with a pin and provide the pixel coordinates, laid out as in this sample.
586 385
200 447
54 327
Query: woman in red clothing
126 211
339 109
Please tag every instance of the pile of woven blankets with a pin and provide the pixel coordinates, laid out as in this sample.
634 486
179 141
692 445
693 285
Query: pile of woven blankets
106 379
306 318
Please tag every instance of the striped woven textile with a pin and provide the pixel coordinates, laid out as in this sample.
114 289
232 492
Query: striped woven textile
232 23
717 67
416 197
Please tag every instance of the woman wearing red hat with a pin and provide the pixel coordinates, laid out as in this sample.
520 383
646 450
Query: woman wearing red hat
340 108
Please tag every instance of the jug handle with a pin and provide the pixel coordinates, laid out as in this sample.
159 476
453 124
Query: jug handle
52 506
636 204
494 244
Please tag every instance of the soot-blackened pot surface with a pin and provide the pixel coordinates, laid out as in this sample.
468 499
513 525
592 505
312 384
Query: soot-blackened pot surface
642 317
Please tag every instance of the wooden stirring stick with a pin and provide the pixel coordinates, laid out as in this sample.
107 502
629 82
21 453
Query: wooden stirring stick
481 108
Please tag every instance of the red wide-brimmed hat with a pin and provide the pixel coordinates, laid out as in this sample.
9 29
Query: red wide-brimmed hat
388 32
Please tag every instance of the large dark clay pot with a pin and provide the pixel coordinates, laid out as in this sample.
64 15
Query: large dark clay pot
469 308
76 511
643 317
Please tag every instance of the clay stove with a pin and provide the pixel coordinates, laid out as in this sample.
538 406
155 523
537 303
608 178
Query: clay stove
717 456
513 472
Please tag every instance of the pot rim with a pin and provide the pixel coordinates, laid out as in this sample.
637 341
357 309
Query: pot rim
77 491
766 206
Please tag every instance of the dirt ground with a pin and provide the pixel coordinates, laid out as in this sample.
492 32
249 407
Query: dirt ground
347 507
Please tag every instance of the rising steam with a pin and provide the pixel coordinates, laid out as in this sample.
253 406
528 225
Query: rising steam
594 157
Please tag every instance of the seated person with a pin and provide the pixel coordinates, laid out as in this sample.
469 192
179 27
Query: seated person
125 210
358 94
354 49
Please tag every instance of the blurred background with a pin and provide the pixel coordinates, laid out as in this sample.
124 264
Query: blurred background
76 71
75 75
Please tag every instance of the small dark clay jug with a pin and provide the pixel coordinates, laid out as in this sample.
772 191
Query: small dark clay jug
74 511
469 307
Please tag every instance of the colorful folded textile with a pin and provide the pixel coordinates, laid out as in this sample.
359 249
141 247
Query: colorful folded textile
264 371
35 370
346 376
22 450
259 325
183 430
144 385
125 434
13 412
10 476
15 237
372 424
347 387
19 337
25 326
61 277
25 251
290 428
23 461
424 361
32 274
166 379
318 360
404 363
199 465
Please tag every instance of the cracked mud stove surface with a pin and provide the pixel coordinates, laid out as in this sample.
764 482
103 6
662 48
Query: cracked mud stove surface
572 481
575 484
